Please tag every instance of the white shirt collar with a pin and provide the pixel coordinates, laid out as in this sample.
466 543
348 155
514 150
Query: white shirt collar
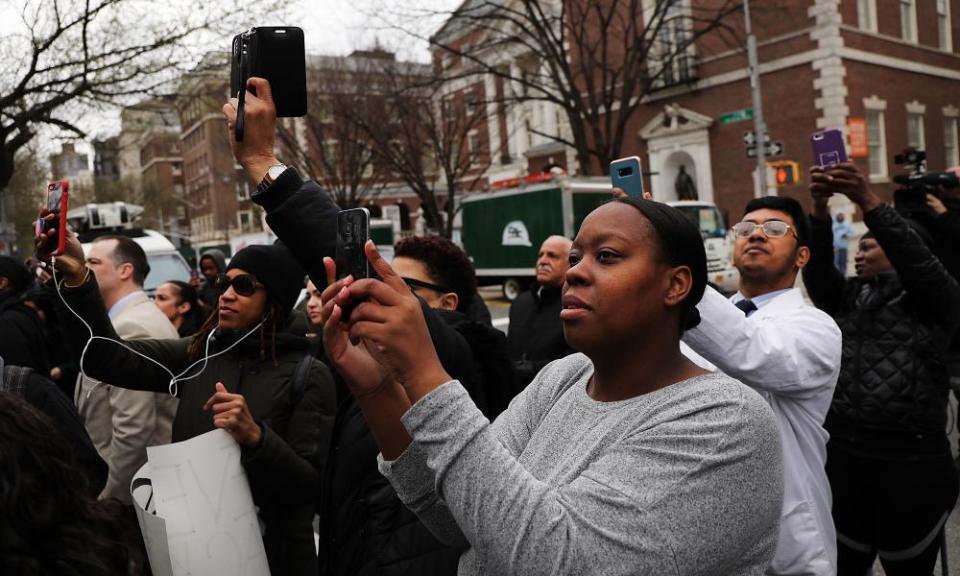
761 300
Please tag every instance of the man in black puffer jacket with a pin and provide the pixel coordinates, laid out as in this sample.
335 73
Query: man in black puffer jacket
364 528
889 462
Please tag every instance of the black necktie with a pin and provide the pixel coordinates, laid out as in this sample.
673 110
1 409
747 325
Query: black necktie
747 306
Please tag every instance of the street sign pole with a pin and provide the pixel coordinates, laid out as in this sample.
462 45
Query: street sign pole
759 129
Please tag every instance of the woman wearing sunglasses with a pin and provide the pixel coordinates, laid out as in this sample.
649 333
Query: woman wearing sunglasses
625 459
278 406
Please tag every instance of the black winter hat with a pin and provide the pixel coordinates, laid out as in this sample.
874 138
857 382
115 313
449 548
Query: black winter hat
276 268
14 271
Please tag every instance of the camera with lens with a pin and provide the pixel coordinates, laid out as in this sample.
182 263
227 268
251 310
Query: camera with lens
911 198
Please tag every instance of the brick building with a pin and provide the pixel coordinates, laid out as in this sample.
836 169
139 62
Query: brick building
106 158
216 189
891 67
161 178
138 122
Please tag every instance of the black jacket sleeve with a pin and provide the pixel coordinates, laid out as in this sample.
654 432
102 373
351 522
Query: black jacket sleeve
287 471
825 284
109 361
932 290
304 217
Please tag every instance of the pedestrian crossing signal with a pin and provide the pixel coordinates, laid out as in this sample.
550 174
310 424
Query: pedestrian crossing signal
786 172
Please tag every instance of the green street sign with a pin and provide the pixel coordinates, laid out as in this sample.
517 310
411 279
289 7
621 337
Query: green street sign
737 116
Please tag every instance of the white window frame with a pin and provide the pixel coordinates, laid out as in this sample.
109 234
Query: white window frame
951 116
681 22
945 39
916 110
473 147
909 28
867 19
250 220
874 105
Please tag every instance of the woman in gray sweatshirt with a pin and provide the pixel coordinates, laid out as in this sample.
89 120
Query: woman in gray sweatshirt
624 459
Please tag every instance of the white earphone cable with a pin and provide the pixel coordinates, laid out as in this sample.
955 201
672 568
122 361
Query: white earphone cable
174 378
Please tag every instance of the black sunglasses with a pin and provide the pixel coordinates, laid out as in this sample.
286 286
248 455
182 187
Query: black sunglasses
243 284
414 283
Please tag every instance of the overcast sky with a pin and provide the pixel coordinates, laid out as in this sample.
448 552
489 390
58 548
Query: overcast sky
334 27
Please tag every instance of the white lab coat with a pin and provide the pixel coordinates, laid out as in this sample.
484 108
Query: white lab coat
789 352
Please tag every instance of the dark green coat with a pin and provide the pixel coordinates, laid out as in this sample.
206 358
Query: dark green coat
284 470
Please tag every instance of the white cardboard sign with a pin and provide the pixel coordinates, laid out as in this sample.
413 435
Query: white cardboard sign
195 510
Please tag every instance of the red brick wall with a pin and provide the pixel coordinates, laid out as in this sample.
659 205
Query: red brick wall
898 88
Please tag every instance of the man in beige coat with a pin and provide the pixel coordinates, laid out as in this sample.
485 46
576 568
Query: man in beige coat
122 423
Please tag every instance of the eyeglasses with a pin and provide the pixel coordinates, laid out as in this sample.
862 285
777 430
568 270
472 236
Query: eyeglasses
414 284
243 284
771 228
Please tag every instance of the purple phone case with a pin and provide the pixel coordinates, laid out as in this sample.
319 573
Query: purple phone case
828 148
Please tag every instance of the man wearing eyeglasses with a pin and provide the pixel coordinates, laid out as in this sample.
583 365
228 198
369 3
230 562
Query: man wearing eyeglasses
770 339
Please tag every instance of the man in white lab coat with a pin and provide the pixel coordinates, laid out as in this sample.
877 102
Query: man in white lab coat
770 339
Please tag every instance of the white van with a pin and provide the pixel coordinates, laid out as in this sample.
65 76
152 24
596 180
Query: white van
717 241
95 220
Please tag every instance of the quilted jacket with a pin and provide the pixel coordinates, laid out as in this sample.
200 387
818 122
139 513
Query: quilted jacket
896 328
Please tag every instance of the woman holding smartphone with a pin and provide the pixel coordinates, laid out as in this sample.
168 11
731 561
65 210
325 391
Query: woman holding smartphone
252 386
625 459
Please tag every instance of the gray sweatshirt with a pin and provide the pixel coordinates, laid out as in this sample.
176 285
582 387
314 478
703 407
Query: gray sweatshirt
685 480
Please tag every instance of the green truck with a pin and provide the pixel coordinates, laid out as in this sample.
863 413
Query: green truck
502 231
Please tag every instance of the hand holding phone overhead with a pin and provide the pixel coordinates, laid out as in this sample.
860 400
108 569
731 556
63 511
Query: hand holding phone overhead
828 148
627 175
276 54
53 220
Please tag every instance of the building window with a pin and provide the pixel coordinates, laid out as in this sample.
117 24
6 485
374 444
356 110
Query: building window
473 148
867 15
244 219
915 131
674 49
471 101
950 141
243 189
876 144
908 20
943 25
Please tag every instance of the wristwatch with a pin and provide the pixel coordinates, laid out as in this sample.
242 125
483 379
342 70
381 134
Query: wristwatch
273 172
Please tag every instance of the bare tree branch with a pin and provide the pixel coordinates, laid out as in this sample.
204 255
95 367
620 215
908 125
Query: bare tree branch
75 53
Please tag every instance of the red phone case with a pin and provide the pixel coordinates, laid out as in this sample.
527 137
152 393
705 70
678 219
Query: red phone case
64 195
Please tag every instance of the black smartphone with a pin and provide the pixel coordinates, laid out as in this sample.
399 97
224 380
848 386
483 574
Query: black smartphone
353 230
276 54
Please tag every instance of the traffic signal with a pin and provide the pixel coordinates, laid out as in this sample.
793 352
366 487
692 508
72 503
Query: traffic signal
786 172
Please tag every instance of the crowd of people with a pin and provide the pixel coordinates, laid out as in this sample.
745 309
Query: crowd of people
634 420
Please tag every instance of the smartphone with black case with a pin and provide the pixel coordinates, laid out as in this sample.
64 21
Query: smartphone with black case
626 174
353 230
58 194
276 54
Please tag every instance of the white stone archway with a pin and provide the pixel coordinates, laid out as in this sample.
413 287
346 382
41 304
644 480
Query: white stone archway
679 136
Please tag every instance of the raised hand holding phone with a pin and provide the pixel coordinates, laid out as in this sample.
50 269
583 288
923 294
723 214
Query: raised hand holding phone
828 148
53 219
71 264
